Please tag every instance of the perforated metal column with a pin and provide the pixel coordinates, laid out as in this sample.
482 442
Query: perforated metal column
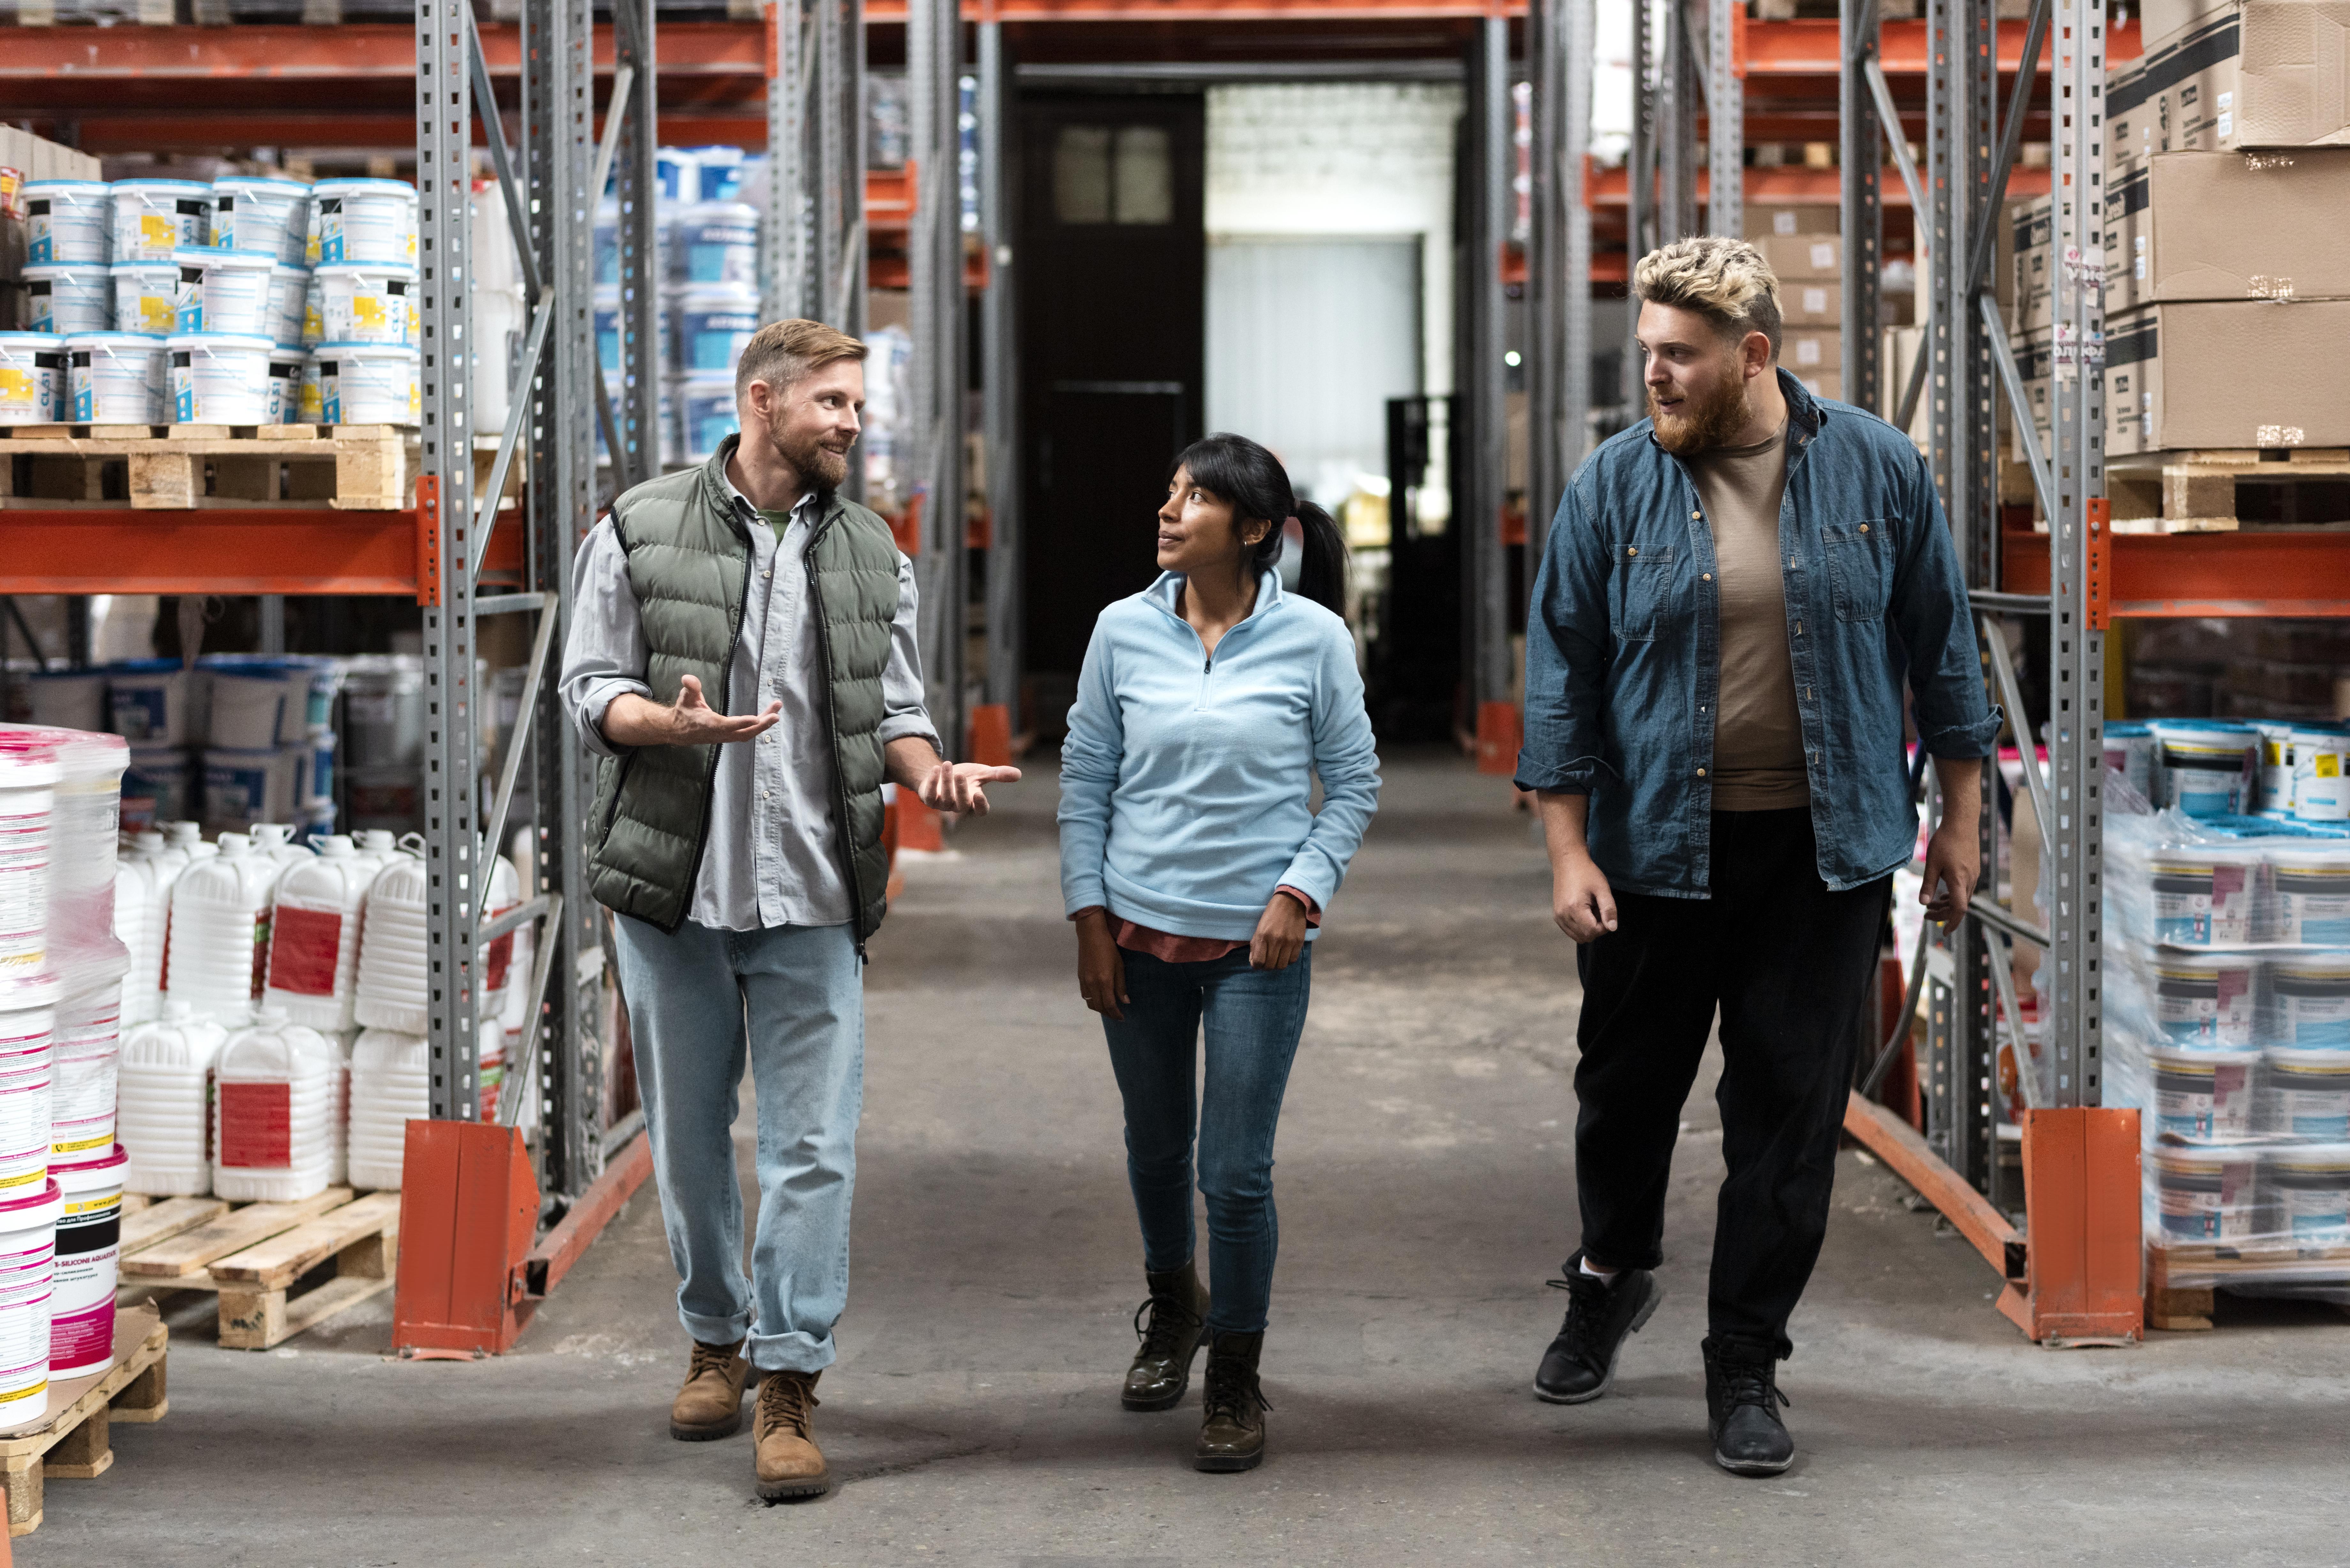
1861 157
1726 103
1558 259
637 409
935 403
1492 155
455 876
999 375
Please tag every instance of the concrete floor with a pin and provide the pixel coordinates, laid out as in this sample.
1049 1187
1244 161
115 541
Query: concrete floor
1426 1192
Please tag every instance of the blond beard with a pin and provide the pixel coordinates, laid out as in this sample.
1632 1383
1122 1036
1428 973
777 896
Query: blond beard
1705 423
819 467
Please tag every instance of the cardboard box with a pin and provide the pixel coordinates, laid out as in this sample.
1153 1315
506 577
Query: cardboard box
2265 73
2207 374
2159 19
2029 229
1810 303
1808 351
1800 257
1764 221
2230 225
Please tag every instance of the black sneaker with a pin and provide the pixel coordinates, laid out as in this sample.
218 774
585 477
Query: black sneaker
1741 1406
1580 1364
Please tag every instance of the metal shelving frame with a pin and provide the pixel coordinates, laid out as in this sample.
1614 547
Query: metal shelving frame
932 418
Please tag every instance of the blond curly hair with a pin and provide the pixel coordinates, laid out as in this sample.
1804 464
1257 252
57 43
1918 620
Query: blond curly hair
1724 280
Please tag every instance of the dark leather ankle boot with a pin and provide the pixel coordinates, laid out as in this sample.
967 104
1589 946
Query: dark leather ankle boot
1171 1324
1232 1437
1742 1403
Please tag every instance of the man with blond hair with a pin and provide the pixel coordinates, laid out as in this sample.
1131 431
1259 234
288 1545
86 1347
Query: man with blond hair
741 659
1732 596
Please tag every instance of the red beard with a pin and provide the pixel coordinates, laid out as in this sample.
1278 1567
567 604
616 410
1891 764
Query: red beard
1704 421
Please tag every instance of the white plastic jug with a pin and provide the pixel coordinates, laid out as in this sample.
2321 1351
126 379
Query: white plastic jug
338 1103
314 936
220 930
497 961
273 1112
277 840
392 990
163 1100
142 907
390 1086
185 842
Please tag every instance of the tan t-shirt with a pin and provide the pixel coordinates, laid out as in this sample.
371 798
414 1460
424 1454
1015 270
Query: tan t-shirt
1758 736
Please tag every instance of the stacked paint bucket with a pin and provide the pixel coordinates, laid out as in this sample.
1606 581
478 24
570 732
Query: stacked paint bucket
2228 997
269 742
359 321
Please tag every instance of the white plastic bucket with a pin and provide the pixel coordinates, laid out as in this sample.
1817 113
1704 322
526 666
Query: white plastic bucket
367 302
2305 1002
78 297
29 801
28 1030
289 296
32 378
314 396
219 378
710 324
163 774
705 412
2205 1195
82 1063
222 291
65 222
368 384
2276 765
2309 1186
717 241
2321 771
2208 770
29 1232
117 377
249 784
2129 752
2203 1000
718 173
2181 878
2235 881
90 1252
146 296
148 704
363 221
676 176
2313 893
2307 1092
152 218
255 213
314 313
285 366
70 699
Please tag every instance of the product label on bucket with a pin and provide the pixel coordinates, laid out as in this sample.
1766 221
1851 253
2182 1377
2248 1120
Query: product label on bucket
2206 1205
23 889
2315 1114
2205 1008
23 1126
23 1353
2307 1008
2182 905
304 947
2314 1212
90 1250
2314 904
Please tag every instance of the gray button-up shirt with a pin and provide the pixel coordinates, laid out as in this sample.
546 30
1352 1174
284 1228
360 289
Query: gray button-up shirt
773 857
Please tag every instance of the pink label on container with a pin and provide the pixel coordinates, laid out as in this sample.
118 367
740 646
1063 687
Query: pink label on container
81 1340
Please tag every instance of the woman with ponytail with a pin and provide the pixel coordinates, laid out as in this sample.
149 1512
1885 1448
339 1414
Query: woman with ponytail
1197 872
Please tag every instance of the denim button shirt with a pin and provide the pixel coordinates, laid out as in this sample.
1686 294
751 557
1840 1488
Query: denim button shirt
1624 654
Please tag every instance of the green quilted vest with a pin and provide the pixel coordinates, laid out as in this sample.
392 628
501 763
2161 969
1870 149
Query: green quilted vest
690 563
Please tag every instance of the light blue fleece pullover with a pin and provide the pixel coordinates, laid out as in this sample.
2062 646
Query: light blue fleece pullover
1187 782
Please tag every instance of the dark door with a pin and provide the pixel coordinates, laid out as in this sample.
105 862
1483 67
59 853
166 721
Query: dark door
1113 265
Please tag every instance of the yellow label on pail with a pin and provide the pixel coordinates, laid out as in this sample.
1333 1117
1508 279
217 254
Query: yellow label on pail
367 309
2328 764
157 313
158 231
16 386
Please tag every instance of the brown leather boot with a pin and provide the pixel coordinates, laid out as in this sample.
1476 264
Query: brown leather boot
711 1403
1232 1437
790 1464
1162 1370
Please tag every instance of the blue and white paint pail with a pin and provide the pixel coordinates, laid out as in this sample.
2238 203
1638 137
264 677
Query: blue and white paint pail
362 221
608 244
152 218
676 175
222 291
606 321
2208 768
2321 767
711 323
68 299
716 242
150 702
705 412
367 302
2312 883
249 786
2204 999
2308 1187
285 366
146 296
2306 1093
219 378
252 213
2305 1001
2275 786
117 377
32 378
2202 1096
368 384
2205 1194
718 173
68 223
162 773
289 299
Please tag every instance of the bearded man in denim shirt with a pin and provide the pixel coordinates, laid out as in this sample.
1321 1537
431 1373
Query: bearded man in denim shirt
1732 596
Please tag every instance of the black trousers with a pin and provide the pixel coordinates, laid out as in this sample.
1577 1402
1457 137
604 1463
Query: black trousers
1788 962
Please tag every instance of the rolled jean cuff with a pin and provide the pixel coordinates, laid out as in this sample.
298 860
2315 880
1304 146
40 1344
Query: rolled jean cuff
715 1330
791 1352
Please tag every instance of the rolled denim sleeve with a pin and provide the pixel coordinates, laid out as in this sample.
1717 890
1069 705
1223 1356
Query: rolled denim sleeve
903 712
1346 760
1090 760
1930 611
1567 647
604 647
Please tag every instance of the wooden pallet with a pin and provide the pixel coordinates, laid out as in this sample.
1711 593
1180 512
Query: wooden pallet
180 468
2202 492
256 1258
70 1441
2180 1307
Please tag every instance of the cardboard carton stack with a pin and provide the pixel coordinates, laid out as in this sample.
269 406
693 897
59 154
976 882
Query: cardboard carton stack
1804 250
2225 250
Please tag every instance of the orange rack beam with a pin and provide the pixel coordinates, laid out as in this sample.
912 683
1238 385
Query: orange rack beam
2169 575
259 550
1792 186
1811 48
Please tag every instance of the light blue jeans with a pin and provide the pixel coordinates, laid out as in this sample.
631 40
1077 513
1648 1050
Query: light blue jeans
789 1001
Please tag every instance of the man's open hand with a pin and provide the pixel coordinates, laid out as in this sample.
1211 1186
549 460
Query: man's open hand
960 787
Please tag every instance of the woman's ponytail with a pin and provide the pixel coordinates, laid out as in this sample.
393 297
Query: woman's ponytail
1240 471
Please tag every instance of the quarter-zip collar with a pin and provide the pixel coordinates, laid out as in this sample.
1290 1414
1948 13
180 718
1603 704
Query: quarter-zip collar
1167 593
